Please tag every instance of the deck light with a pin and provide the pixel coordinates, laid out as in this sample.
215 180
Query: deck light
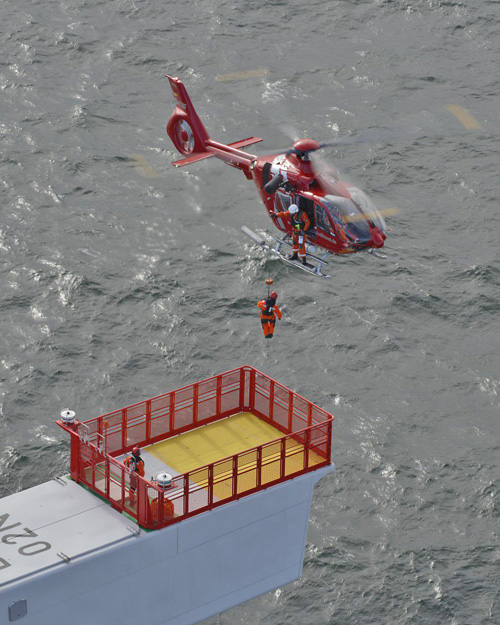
68 416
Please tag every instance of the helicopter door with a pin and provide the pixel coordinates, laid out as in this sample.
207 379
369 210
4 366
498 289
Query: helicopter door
306 205
322 219
323 224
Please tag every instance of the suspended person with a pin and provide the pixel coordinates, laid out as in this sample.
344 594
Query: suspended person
268 314
300 225
136 465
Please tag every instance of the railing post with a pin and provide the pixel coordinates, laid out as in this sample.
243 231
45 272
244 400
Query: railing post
307 439
259 466
124 429
161 507
171 409
242 389
210 484
99 443
143 501
235 475
271 401
251 394
186 494
329 443
283 458
75 457
218 400
105 427
290 411
122 469
107 477
148 420
309 414
93 460
195 404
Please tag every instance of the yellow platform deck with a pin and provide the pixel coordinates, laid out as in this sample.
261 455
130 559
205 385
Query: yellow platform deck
223 439
214 442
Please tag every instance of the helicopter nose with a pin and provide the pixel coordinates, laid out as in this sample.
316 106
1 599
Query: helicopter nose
378 237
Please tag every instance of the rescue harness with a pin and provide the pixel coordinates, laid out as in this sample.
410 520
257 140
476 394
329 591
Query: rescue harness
297 223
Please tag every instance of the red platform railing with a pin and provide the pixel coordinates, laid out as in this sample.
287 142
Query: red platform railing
95 444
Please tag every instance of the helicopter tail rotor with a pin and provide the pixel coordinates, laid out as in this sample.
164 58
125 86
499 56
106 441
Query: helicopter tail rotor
184 127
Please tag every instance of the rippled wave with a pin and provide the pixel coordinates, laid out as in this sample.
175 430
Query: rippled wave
123 277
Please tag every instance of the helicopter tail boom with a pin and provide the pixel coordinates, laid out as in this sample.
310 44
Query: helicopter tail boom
216 149
191 138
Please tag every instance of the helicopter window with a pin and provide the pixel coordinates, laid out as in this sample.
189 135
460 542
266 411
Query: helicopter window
368 207
322 220
344 212
281 201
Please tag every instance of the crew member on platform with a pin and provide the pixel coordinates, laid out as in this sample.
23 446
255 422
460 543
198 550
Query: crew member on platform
268 314
136 464
300 225
163 481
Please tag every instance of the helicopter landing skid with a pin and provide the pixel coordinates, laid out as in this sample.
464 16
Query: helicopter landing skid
374 252
315 270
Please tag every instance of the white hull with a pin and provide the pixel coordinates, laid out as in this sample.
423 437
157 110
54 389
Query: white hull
178 575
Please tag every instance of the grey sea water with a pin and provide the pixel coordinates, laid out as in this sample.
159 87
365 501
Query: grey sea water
122 277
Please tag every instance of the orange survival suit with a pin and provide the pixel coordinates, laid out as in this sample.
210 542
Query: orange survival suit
136 464
168 509
268 314
300 224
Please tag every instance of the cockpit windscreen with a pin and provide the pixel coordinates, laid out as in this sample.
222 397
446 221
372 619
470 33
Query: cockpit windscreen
344 212
368 207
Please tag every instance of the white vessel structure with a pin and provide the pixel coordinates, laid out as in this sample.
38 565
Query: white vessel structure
219 517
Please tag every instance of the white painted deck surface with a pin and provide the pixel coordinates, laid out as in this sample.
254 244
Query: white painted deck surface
55 517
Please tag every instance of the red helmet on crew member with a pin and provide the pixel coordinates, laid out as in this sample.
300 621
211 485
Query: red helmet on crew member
274 295
136 451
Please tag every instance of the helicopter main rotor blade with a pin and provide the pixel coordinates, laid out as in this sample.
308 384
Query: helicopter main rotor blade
325 175
360 217
336 143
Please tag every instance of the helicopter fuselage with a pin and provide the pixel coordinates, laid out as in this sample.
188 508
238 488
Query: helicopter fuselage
343 219
330 229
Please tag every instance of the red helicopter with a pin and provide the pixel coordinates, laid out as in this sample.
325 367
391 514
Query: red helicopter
343 218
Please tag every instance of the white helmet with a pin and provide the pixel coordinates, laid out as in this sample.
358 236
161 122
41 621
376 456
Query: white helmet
293 208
